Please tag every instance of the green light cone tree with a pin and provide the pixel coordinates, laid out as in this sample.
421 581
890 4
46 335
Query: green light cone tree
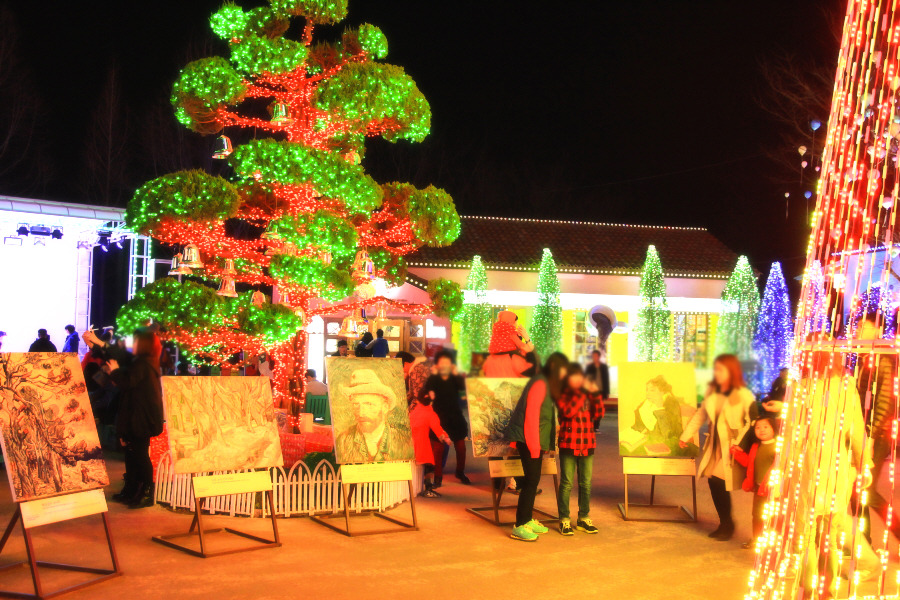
653 329
297 212
740 312
546 322
475 321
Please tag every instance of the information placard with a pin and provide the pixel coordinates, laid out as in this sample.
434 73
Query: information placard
376 472
62 508
206 486
512 467
632 465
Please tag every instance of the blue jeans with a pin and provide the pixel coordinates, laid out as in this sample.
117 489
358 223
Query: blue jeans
568 462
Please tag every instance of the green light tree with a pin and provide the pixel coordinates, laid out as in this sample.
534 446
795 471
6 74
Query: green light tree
653 329
296 211
475 322
546 323
740 311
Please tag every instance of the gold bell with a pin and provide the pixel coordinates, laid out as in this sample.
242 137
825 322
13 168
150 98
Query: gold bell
257 299
227 288
325 257
365 291
352 325
281 114
229 267
223 147
274 249
270 234
288 248
190 257
363 267
178 267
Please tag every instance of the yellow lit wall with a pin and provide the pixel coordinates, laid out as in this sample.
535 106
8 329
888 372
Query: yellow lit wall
568 333
617 345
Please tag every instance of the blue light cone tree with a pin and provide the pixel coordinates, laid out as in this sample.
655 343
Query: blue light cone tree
774 329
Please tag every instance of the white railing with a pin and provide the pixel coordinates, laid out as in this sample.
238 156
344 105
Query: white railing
296 493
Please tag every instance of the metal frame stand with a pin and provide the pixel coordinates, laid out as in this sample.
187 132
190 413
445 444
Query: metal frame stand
347 530
691 516
33 563
497 484
197 530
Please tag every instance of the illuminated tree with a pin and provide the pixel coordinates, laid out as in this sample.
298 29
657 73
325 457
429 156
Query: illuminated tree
546 323
740 310
653 329
774 329
297 216
475 320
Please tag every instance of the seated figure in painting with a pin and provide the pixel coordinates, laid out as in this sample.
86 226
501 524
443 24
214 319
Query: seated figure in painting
658 422
371 438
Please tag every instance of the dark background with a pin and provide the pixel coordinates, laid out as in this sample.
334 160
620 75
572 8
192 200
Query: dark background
645 111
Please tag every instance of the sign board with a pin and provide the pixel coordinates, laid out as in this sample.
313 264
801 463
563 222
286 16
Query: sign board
512 467
632 465
376 472
206 486
62 508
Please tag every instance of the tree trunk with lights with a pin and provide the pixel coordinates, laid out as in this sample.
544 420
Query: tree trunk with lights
297 217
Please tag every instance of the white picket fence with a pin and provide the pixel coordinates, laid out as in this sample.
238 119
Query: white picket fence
296 493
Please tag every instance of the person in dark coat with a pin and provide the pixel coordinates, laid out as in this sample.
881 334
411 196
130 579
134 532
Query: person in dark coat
140 415
362 348
71 343
445 389
42 343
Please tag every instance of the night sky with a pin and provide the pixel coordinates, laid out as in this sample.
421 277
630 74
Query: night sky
641 111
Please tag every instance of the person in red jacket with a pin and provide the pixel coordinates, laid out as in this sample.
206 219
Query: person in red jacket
422 422
580 405
759 461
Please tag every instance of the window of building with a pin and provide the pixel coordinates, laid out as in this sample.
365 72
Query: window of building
692 338
585 338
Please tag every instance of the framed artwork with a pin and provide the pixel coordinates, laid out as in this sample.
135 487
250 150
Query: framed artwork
491 403
49 437
368 410
221 423
656 400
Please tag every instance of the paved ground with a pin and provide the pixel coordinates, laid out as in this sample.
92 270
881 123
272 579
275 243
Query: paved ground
454 556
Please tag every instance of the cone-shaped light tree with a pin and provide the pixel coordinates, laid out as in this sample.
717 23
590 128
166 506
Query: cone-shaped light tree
740 310
297 212
475 318
546 323
653 329
774 329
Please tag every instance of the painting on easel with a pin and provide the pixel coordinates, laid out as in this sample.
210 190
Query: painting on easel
49 438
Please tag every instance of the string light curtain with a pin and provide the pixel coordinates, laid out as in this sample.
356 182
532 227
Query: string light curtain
831 530
297 211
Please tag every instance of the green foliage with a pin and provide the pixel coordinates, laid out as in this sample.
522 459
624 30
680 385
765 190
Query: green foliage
653 330
175 305
321 230
273 323
332 280
431 212
189 195
287 163
375 93
392 265
476 316
317 11
372 40
255 54
446 297
202 86
546 326
740 311
229 22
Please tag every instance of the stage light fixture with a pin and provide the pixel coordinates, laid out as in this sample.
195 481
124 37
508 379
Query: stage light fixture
57 233
22 229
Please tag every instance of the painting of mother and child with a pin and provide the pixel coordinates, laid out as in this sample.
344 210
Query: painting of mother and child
656 400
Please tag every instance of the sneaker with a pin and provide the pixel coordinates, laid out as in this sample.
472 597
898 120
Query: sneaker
438 482
511 490
586 525
565 527
430 494
463 479
536 526
523 533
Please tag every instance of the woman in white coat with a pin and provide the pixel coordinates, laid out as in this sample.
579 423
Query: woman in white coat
730 409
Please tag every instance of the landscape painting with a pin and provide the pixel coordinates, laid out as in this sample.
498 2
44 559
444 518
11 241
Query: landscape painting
491 403
49 438
368 410
221 423
656 400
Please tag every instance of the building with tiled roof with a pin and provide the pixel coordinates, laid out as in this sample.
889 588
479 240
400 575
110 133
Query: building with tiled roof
598 263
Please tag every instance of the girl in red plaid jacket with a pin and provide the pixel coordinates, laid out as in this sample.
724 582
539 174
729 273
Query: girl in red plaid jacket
579 406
